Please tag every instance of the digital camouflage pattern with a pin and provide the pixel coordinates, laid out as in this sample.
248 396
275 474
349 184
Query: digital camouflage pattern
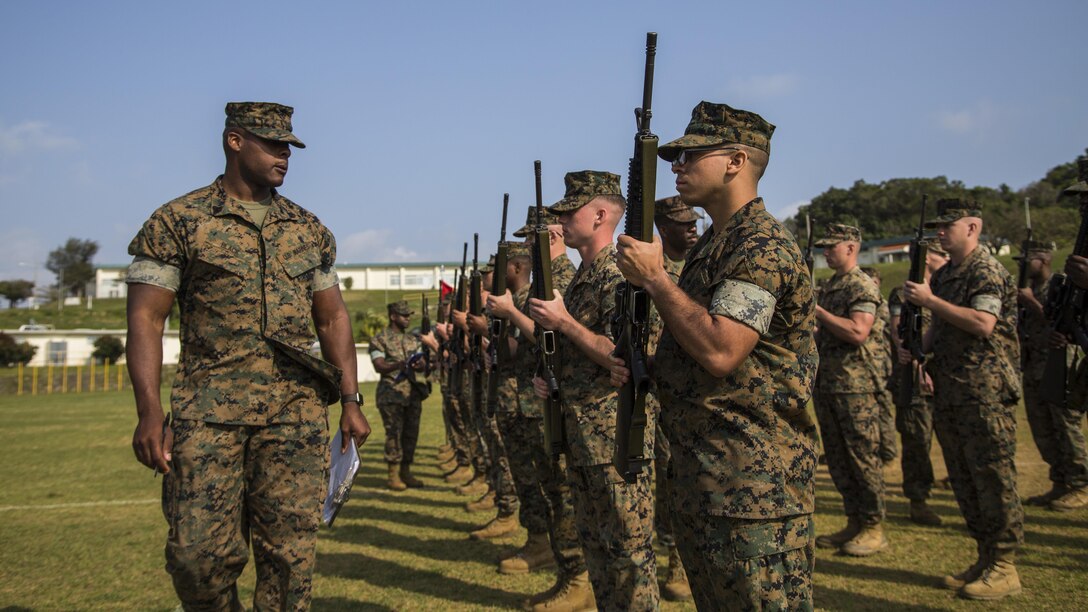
889 447
526 356
400 403
850 430
738 564
265 119
952 209
547 218
845 367
744 445
718 124
232 484
615 526
589 401
976 388
245 304
674 209
524 438
835 233
583 186
400 307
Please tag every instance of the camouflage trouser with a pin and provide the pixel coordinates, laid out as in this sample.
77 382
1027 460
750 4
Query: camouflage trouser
1058 435
915 424
737 564
662 517
524 437
615 526
229 484
401 422
499 477
562 527
480 457
850 432
979 444
459 437
888 447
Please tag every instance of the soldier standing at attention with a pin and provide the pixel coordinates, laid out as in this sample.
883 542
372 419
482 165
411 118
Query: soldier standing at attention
849 380
889 449
734 369
245 456
915 419
399 395
614 517
975 352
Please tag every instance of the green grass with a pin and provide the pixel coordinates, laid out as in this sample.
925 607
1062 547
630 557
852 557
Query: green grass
393 551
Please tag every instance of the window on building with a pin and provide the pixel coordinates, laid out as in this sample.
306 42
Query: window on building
56 352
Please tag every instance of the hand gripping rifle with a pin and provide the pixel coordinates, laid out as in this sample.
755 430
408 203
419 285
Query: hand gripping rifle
424 329
631 325
1065 306
457 338
910 321
498 348
541 289
476 308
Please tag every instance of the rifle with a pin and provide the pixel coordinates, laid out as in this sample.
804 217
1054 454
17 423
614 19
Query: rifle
910 321
541 289
457 338
476 308
443 345
498 349
631 325
810 261
1022 280
424 329
1064 308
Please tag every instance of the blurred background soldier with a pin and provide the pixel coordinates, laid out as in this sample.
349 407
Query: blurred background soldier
399 396
889 448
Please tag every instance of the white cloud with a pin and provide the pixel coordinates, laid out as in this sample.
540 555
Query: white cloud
33 136
372 245
764 86
974 120
22 255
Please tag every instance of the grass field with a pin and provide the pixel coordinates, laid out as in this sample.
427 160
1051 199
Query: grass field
80 528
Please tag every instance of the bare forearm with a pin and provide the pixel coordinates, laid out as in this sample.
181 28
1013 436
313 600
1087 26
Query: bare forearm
974 322
143 352
596 347
525 325
845 329
693 327
338 348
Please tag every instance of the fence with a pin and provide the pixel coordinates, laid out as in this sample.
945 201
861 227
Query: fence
35 380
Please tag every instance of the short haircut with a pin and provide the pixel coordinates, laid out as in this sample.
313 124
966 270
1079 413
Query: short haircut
757 157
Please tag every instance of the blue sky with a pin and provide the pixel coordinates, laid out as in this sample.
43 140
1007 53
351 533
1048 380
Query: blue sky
419 115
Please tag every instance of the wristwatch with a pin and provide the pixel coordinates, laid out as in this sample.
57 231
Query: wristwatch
351 397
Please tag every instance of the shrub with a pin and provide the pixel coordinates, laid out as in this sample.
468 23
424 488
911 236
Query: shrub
12 352
108 347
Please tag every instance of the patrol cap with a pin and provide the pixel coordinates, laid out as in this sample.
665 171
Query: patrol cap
401 307
530 222
718 124
836 233
951 209
934 246
265 119
489 266
583 186
1035 247
1081 186
674 209
517 249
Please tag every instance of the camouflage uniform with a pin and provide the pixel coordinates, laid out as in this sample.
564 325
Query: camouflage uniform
1055 429
977 387
662 516
914 420
249 400
400 403
882 326
847 386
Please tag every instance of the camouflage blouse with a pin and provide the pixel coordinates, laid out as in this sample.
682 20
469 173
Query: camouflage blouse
846 367
527 357
393 345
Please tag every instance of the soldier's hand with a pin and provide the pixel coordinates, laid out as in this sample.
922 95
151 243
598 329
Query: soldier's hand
353 426
540 387
460 319
918 294
500 306
618 372
641 263
1058 340
904 356
477 324
551 314
1077 269
927 382
1025 296
153 443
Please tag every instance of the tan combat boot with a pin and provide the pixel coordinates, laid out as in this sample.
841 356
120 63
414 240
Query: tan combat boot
1074 499
869 541
406 476
475 487
459 476
573 595
536 554
998 580
1044 499
955 582
448 466
486 502
395 483
496 528
676 581
445 453
922 514
844 535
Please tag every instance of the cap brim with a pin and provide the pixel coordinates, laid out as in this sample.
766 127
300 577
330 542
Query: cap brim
826 242
1076 189
278 136
569 204
687 216
671 150
523 231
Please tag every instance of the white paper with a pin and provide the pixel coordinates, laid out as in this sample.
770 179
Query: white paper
342 469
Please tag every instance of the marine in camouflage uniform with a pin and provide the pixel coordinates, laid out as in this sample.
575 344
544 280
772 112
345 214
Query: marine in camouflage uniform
977 387
249 431
889 448
1055 429
850 379
734 369
399 395
614 516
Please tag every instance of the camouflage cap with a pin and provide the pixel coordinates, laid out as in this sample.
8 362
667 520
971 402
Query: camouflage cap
401 307
1035 247
674 209
530 222
517 249
951 209
1081 186
585 185
489 266
265 119
836 233
715 124
934 246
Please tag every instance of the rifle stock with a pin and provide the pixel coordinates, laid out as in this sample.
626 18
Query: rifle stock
476 340
910 321
542 289
498 348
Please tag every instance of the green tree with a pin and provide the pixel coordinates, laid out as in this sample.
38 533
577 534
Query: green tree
368 324
108 347
72 263
348 282
12 352
16 291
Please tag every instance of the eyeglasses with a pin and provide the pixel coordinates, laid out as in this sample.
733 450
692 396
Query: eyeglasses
690 155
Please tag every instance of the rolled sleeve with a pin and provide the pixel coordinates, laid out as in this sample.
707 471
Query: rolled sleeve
147 271
987 303
325 279
866 307
744 302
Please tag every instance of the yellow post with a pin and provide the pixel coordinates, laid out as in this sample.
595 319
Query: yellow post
64 379
120 379
34 381
19 385
49 380
90 385
79 379
106 374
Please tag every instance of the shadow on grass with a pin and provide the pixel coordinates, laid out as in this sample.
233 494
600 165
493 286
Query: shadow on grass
340 603
827 598
371 512
861 571
415 500
1054 540
386 574
436 548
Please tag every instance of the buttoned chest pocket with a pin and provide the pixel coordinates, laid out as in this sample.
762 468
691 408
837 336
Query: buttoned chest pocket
220 274
584 305
302 264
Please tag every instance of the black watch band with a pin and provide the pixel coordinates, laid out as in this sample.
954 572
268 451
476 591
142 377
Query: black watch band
351 397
